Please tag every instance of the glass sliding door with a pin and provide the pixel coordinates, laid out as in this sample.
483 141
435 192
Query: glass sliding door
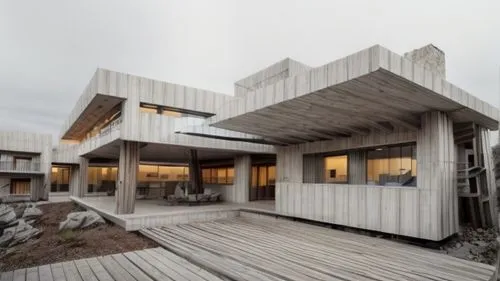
263 182
60 179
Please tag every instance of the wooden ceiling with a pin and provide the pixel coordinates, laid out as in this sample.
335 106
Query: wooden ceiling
95 112
155 152
378 101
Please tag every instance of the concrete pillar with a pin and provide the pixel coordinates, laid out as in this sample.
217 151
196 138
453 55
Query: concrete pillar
242 177
437 176
80 178
37 188
195 172
126 185
74 181
314 168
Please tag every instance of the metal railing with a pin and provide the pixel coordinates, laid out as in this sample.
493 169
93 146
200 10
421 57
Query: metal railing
115 124
19 166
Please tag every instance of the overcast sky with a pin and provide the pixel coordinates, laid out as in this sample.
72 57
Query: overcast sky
50 49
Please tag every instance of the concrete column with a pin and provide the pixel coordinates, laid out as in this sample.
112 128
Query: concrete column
242 177
81 177
74 181
195 172
437 176
126 185
37 188
314 168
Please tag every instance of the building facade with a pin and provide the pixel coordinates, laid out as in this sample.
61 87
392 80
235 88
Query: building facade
25 163
374 141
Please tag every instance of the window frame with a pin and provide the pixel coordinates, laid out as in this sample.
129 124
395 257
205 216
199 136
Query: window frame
389 146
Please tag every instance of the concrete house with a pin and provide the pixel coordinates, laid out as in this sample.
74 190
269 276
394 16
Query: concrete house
373 141
25 162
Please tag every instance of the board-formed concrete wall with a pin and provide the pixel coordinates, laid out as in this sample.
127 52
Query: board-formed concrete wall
269 75
428 211
41 146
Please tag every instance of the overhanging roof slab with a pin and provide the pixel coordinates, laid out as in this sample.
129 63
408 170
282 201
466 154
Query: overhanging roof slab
372 89
97 108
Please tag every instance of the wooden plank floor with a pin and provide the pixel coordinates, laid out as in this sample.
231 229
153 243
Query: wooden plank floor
145 265
249 248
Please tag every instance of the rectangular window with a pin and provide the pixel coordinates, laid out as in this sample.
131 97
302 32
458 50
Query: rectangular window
336 169
392 165
22 163
172 111
20 186
223 175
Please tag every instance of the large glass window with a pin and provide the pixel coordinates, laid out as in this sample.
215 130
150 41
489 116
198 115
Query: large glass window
59 181
336 169
155 173
221 175
393 165
102 179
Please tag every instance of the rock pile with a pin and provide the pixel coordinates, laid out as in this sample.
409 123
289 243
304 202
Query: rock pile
15 223
479 245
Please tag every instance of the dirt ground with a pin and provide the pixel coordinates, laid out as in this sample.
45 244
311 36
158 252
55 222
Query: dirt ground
52 246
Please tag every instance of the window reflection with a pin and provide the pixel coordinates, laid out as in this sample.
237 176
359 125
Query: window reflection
220 175
102 179
394 165
59 179
336 169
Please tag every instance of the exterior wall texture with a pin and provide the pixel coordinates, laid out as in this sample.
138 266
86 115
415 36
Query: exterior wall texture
428 211
40 146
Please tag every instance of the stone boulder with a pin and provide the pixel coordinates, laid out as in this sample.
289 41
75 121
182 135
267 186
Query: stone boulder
78 220
7 215
19 209
18 234
32 212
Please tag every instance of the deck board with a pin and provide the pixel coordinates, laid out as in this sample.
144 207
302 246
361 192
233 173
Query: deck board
57 272
20 274
71 272
99 270
85 271
248 248
262 248
156 264
45 273
7 276
32 274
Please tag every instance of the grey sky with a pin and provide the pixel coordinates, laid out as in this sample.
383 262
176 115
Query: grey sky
50 49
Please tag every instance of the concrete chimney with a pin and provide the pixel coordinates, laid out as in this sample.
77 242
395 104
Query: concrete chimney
431 57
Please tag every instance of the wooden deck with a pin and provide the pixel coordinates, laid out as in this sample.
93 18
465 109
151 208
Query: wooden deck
150 264
251 248
260 248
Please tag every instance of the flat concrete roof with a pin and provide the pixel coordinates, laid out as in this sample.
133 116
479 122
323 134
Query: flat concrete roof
374 89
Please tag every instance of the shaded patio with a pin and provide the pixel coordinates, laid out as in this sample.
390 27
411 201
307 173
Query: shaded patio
156 212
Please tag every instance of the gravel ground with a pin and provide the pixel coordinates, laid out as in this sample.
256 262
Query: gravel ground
52 246
479 245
